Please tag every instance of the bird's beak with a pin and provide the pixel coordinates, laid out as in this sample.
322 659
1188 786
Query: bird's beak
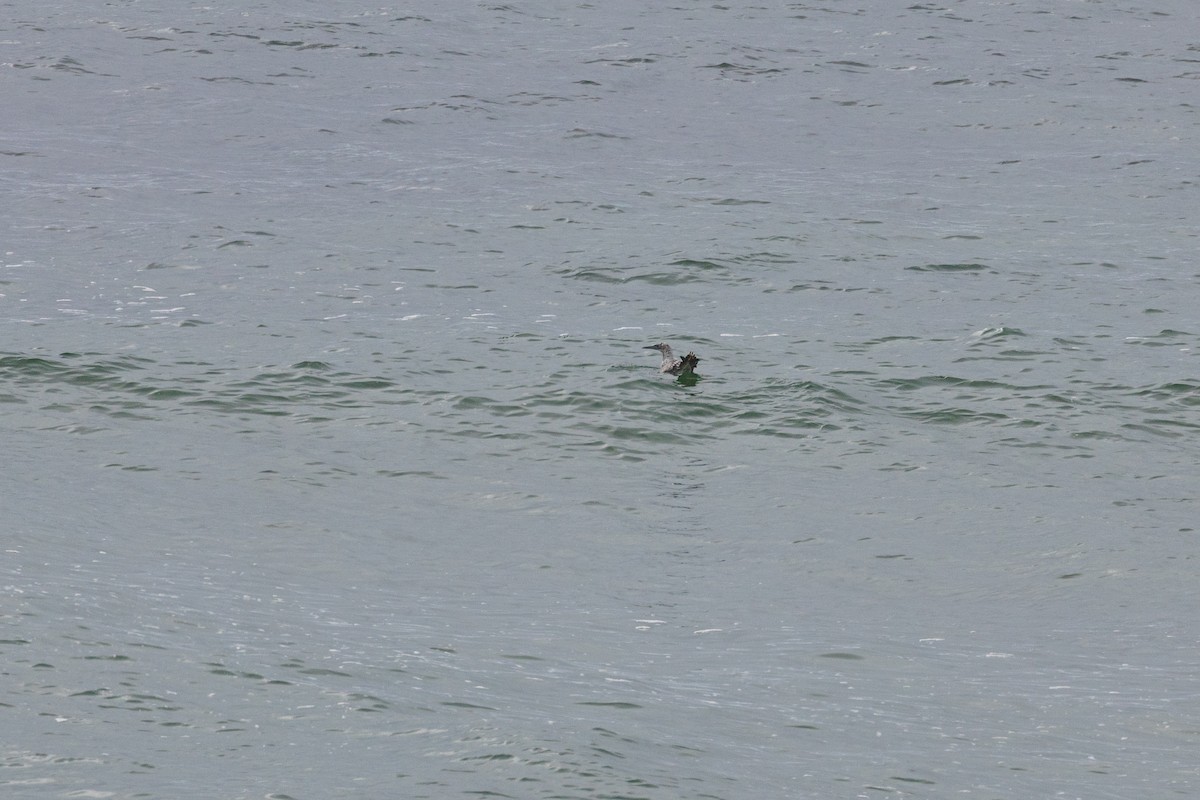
651 347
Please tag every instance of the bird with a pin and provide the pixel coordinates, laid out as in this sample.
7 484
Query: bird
672 365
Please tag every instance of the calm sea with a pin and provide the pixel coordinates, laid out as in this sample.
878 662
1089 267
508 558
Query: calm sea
335 466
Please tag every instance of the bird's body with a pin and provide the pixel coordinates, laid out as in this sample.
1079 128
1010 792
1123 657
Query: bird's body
672 365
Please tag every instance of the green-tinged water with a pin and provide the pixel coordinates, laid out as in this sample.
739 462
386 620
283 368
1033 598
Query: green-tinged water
336 466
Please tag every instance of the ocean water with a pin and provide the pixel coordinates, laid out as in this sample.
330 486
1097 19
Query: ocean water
336 466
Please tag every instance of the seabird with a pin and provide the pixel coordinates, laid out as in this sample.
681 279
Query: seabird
672 365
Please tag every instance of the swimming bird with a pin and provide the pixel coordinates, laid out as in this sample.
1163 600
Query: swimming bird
672 365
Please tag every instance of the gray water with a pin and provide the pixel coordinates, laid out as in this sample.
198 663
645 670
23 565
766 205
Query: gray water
336 468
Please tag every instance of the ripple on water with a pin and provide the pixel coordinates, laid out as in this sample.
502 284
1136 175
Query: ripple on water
624 410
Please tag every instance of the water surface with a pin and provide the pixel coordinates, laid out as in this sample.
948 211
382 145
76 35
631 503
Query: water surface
337 468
